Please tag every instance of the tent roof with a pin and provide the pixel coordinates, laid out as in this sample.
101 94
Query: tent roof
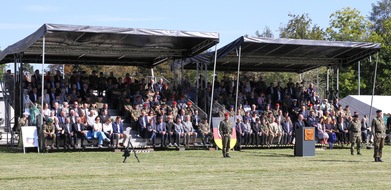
362 104
75 44
285 55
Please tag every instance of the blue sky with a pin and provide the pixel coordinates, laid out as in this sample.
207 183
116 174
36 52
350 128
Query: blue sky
231 19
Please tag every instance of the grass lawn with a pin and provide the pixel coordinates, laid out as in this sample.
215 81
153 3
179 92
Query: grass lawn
198 169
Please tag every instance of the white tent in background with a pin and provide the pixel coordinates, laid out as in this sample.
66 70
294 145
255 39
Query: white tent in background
362 104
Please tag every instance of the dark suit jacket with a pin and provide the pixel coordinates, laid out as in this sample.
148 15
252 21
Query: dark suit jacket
74 126
256 127
299 124
141 122
33 98
66 130
287 127
161 127
115 127
170 127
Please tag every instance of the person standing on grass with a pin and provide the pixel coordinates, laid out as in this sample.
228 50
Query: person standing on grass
225 130
379 130
355 134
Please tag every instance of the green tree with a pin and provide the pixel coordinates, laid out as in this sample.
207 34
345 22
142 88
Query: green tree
380 12
300 27
349 25
383 36
267 33
381 19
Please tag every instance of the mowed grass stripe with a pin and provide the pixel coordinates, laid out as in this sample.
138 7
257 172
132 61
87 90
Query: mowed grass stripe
198 169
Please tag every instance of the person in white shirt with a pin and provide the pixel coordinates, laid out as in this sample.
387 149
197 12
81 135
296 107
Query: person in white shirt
98 132
91 118
108 129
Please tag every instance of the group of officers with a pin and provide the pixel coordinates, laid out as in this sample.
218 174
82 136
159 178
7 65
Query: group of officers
378 129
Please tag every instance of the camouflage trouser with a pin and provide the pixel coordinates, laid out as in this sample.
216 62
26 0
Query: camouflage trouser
226 143
355 138
379 143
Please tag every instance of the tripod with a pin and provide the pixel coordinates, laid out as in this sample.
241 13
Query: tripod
127 151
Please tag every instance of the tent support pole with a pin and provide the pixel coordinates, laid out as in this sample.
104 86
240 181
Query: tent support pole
359 78
206 87
237 84
337 93
152 74
14 94
213 86
373 87
198 83
42 83
317 78
327 82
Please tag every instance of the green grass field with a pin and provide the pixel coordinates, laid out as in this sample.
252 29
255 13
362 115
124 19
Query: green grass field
197 169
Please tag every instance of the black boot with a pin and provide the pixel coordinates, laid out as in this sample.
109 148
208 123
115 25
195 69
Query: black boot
376 159
379 160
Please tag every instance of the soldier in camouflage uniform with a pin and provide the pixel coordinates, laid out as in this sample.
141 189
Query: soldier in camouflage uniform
49 132
127 108
265 129
145 108
134 115
225 129
355 134
99 103
379 131
189 109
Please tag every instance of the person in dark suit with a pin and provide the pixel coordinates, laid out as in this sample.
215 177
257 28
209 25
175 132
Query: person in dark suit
287 127
143 124
161 131
152 130
33 95
298 124
119 131
270 90
170 130
343 131
78 132
239 134
68 133
256 127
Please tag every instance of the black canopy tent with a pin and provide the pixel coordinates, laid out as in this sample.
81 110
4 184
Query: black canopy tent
94 45
281 55
76 44
285 55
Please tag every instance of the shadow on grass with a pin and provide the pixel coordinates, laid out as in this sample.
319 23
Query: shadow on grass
272 155
5 149
335 161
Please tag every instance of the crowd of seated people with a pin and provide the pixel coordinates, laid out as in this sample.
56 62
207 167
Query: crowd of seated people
270 114
82 101
266 115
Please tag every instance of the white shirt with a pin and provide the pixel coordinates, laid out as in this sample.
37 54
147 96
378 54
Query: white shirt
91 119
107 127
